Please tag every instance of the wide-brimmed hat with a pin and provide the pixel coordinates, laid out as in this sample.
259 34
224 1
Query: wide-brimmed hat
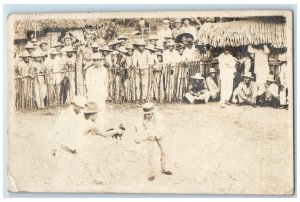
105 48
129 47
141 42
95 45
124 38
69 49
57 44
68 35
270 78
179 38
149 108
179 46
37 54
114 42
150 47
159 53
212 70
53 52
115 52
79 100
153 37
248 75
122 49
186 19
170 43
90 108
160 45
29 45
165 21
197 76
96 56
24 54
177 20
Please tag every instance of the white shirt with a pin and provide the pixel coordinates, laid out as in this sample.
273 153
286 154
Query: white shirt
226 64
170 57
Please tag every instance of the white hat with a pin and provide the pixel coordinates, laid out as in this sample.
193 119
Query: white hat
165 21
248 75
148 108
53 51
141 42
90 108
150 47
197 76
122 38
170 43
270 78
29 45
95 45
79 101
153 37
105 48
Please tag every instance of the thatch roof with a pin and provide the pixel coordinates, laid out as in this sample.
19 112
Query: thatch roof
244 32
23 27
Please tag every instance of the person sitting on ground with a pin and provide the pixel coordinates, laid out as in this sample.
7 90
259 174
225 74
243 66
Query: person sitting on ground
197 91
246 92
268 93
214 85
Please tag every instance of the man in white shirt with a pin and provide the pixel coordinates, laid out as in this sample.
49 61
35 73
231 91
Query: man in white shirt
246 92
191 52
96 84
165 31
268 94
150 131
227 69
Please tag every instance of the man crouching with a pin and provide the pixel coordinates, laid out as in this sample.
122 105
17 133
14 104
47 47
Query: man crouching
150 130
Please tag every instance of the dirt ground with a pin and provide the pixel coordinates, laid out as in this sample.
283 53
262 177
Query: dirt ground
238 149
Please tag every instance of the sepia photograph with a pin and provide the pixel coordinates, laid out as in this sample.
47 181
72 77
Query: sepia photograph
177 102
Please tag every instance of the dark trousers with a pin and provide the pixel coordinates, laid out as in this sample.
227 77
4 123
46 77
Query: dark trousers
273 102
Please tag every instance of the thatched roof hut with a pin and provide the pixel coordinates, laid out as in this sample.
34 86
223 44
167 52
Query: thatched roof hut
244 32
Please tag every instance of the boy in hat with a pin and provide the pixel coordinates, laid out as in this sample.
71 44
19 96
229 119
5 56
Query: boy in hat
29 47
165 30
268 93
187 28
177 30
54 67
96 84
95 47
246 92
150 131
141 59
197 90
214 84
227 69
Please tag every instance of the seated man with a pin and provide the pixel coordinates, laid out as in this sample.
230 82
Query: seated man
197 90
214 85
268 93
246 92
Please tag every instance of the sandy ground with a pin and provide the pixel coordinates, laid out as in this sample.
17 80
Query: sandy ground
238 150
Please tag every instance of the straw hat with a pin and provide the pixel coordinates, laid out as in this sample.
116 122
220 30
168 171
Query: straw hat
129 47
170 43
57 44
37 54
177 20
69 36
79 100
96 56
141 42
160 46
124 38
105 48
95 45
25 54
197 76
248 75
53 51
149 108
150 47
70 49
159 53
212 70
90 108
270 78
115 53
114 42
166 21
153 37
122 49
29 45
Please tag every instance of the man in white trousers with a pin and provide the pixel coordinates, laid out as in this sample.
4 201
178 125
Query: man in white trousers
227 69
96 84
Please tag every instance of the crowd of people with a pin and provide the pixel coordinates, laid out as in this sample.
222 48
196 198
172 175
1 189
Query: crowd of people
166 67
